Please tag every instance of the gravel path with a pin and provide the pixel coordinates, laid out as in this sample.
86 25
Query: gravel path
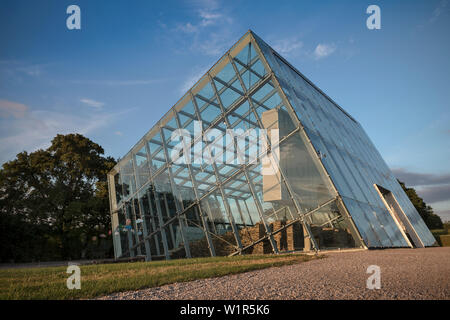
405 274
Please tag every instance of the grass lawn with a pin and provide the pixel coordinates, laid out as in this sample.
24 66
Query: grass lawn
97 280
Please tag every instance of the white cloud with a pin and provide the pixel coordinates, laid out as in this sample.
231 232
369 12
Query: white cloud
192 79
188 28
92 103
209 32
287 46
214 44
206 18
209 18
324 50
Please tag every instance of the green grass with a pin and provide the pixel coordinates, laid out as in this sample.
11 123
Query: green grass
97 280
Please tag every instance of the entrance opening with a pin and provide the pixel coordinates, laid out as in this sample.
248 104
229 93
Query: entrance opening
400 218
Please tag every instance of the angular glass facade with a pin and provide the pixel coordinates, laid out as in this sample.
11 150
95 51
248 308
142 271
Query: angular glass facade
255 159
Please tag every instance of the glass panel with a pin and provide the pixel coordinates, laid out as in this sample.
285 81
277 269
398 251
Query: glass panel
138 224
218 223
352 161
331 228
195 234
128 230
277 209
158 160
229 96
307 179
249 66
142 167
209 113
118 188
164 195
364 226
127 176
150 221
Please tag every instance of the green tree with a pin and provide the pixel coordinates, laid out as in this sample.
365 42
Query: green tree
56 198
432 220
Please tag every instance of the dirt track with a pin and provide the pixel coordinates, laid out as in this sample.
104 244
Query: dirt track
405 274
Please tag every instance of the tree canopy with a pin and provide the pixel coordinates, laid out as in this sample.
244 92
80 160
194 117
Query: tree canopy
54 202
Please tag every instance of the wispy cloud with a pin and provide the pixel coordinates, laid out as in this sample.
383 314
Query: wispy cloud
192 79
435 193
12 109
421 179
433 188
439 10
287 46
92 103
210 17
20 70
187 28
32 70
209 31
206 18
324 50
33 129
215 44
117 82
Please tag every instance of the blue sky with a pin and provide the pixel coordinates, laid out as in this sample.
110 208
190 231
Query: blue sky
132 60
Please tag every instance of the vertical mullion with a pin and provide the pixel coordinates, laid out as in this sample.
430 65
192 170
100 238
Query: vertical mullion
161 224
244 168
195 187
267 141
130 237
135 173
219 184
152 213
170 226
240 212
177 197
136 236
209 212
283 179
248 211
149 162
300 125
148 254
158 206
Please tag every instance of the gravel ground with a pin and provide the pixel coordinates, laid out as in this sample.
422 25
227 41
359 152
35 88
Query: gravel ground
405 274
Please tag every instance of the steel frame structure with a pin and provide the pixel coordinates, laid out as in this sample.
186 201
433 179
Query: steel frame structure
164 209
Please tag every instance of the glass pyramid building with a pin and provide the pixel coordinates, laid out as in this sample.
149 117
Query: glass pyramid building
255 159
